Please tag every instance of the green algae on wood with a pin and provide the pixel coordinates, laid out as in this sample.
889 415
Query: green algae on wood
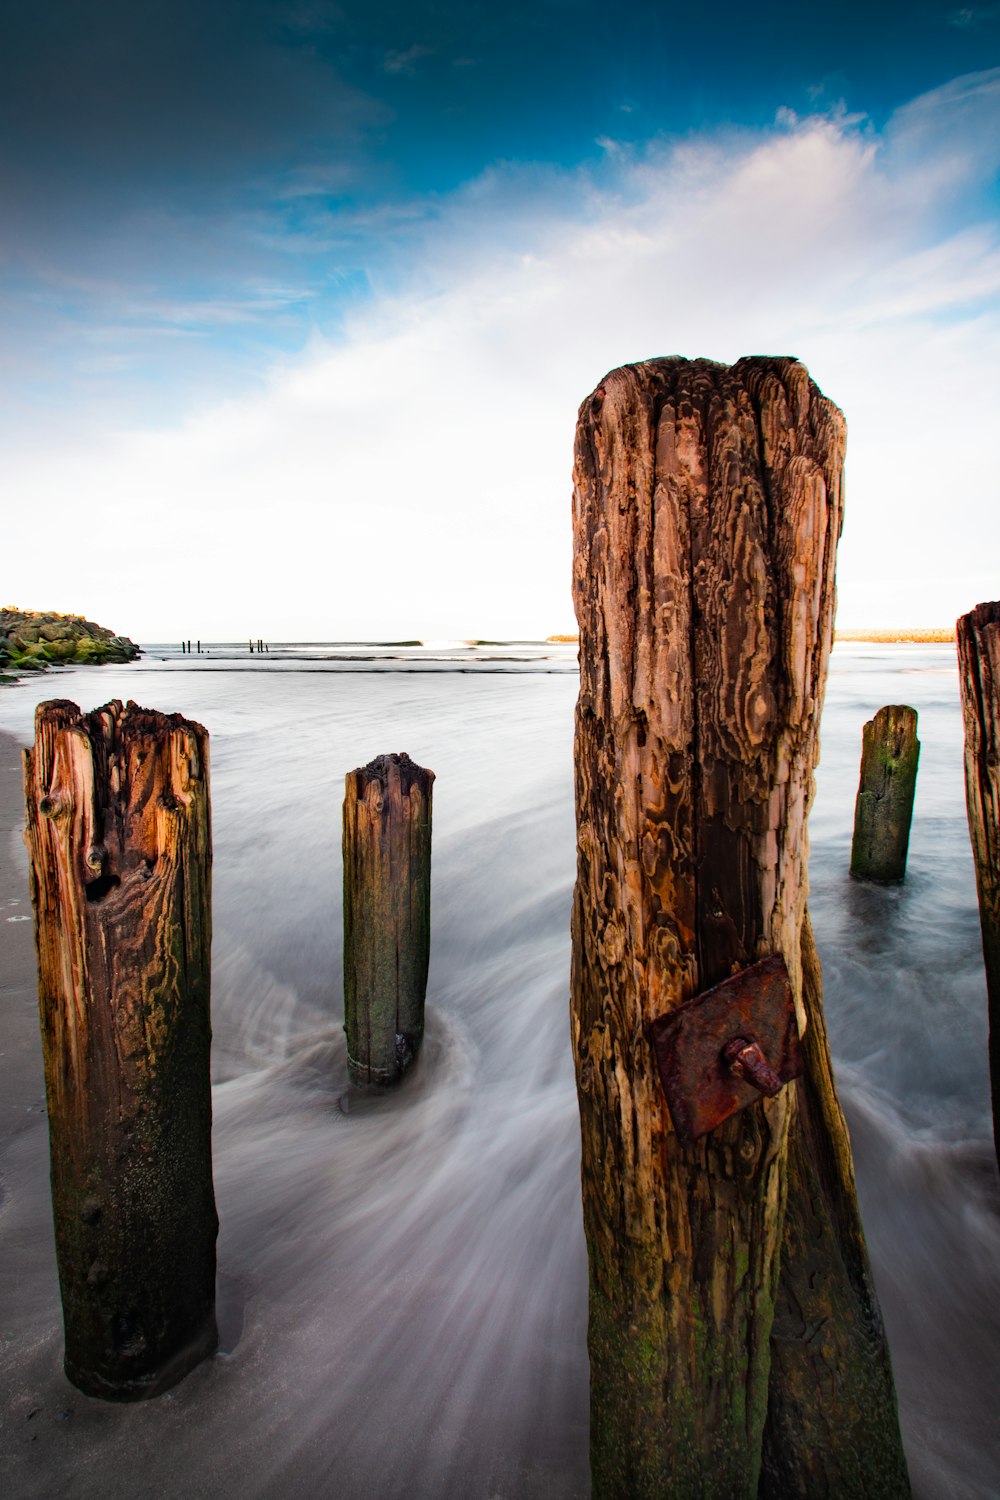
387 914
979 680
883 811
119 838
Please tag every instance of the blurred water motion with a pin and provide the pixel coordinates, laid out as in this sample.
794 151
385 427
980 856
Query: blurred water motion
403 1280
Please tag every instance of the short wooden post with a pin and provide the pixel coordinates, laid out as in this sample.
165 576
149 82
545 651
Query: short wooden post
883 811
119 839
979 677
706 510
387 908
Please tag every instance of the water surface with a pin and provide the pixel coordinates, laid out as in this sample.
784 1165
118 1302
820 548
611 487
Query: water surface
403 1282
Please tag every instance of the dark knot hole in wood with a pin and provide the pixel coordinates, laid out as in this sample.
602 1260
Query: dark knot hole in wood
96 890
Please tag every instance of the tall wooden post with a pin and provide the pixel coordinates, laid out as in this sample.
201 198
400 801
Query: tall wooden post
883 810
832 1421
387 915
119 838
979 677
707 508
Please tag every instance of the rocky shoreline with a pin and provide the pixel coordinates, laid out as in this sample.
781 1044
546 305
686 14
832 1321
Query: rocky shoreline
32 640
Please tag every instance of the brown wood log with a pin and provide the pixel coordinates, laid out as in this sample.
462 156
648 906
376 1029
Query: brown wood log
707 508
832 1423
979 678
119 838
883 809
387 916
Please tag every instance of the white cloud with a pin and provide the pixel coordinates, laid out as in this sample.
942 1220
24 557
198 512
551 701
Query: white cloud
413 478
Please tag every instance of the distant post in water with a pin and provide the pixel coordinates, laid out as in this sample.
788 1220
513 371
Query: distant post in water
119 839
883 810
387 911
979 678
707 505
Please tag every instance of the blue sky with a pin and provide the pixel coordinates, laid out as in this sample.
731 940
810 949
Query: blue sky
299 300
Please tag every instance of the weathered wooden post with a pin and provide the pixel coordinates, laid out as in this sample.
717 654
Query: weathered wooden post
883 810
707 508
119 837
387 915
832 1421
979 678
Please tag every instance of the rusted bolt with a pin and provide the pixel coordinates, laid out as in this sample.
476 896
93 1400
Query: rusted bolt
741 1031
744 1058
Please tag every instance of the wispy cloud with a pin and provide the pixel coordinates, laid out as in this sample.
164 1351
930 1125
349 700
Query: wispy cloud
436 431
405 62
968 17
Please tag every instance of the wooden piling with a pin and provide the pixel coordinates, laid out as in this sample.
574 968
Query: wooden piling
979 678
883 810
828 1336
707 508
119 838
387 889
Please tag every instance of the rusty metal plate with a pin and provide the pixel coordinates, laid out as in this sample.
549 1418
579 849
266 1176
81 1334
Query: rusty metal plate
693 1042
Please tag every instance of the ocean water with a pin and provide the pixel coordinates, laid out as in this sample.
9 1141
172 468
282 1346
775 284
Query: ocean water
403 1281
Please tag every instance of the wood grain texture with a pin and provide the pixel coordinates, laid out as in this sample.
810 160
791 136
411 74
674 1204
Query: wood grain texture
979 678
832 1423
119 838
707 507
387 914
883 810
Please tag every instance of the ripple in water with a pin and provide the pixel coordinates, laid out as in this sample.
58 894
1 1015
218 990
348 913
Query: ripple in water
403 1280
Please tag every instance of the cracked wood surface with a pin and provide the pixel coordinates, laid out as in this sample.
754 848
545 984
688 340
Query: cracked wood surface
979 679
707 507
119 842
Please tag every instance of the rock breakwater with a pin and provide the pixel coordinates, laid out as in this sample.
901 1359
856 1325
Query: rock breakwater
31 640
